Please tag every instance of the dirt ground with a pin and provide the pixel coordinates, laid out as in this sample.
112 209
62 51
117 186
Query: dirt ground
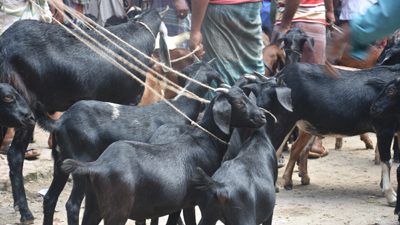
344 189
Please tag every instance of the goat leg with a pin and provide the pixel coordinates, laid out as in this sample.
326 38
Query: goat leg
303 164
15 157
51 197
384 139
297 147
189 215
75 199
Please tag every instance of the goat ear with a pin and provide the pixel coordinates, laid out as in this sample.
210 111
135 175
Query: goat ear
376 83
284 97
251 88
165 57
222 113
253 98
280 63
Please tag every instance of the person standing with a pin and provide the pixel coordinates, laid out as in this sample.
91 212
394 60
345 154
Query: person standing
229 31
311 16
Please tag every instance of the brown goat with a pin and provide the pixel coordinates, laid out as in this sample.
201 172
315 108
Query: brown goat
148 96
273 58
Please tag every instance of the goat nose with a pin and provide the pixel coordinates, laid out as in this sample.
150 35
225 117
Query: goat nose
30 117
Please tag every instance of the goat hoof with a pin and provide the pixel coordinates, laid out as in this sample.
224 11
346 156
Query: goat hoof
276 189
28 220
305 180
288 187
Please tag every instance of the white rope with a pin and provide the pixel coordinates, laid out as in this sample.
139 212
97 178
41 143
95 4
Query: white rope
101 52
186 56
90 21
171 85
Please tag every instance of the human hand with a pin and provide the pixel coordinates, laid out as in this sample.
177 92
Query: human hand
196 41
182 8
340 40
330 17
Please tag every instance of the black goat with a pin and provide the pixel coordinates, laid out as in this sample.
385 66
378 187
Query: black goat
14 110
293 44
52 70
388 103
323 105
242 190
88 127
126 170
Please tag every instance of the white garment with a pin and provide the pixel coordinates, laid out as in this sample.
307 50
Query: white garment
351 7
104 9
14 10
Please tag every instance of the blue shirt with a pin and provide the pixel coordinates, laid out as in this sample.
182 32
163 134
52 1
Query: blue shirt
378 21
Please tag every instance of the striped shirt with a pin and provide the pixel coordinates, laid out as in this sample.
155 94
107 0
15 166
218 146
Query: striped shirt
231 2
310 11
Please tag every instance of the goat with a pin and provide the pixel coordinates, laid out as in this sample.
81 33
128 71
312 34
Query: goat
135 178
387 103
287 49
14 110
323 105
51 69
242 190
149 97
88 127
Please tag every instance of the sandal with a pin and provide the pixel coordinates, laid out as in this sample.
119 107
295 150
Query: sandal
32 153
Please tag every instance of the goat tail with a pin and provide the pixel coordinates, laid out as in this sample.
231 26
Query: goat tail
203 182
74 167
44 120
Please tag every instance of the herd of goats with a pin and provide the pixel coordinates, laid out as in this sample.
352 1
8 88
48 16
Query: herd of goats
135 155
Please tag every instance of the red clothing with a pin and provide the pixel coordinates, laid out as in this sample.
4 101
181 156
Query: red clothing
311 11
231 2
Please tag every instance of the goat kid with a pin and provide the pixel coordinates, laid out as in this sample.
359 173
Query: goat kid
126 170
88 127
242 190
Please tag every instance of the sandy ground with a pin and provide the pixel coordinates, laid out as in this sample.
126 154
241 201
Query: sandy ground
344 189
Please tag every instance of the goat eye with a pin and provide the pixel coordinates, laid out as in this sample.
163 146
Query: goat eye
391 91
239 105
8 99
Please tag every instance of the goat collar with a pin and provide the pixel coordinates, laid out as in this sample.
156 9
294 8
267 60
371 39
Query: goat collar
268 68
148 28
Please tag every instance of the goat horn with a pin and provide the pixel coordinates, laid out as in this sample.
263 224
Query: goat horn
250 77
164 11
262 77
225 86
222 90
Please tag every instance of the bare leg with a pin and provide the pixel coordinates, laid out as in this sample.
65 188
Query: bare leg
367 141
339 143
